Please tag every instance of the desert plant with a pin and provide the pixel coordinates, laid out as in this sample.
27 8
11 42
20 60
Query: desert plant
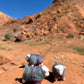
57 31
38 16
7 36
14 29
41 22
70 36
59 15
3 46
62 29
10 48
40 42
25 43
79 50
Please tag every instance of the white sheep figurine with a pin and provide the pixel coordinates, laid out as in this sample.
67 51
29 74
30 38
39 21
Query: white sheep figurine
35 74
34 59
58 71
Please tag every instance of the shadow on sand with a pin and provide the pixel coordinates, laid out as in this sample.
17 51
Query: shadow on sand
50 78
20 80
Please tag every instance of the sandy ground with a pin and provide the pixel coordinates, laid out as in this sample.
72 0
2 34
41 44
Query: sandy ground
10 73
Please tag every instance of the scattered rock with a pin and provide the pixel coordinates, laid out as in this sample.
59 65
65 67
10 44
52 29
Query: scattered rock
19 38
2 38
81 37
59 10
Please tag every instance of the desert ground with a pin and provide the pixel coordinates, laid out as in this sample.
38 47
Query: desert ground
69 52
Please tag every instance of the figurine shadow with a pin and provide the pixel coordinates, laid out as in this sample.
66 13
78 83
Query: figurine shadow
50 78
20 80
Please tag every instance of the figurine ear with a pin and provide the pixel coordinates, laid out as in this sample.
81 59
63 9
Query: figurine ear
28 56
47 74
56 67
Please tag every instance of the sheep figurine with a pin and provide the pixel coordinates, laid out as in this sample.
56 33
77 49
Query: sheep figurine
34 59
35 74
58 71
